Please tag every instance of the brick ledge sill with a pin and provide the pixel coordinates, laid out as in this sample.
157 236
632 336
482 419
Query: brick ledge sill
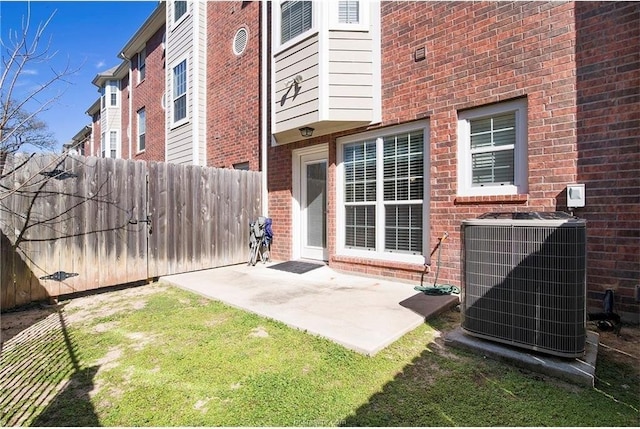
493 199
406 266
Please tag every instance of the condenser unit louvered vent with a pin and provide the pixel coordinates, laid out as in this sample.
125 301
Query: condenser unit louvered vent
524 277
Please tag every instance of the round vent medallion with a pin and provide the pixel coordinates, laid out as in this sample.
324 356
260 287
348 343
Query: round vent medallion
240 41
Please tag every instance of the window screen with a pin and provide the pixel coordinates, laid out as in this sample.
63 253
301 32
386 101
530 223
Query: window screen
396 162
142 129
493 142
296 19
180 91
180 8
348 12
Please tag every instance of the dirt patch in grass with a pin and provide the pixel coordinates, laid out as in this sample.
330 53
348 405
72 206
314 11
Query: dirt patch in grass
623 348
85 309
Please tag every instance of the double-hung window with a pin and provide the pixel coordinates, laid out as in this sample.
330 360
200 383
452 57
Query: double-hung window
142 129
381 190
180 92
142 65
179 9
114 87
349 12
492 150
113 144
296 17
103 95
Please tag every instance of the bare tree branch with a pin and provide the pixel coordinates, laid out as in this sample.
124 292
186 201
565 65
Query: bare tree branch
19 123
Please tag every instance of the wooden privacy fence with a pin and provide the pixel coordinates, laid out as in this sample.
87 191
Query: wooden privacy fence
73 223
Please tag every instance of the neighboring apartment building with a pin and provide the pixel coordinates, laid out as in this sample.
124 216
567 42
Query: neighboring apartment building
387 124
80 143
129 117
112 118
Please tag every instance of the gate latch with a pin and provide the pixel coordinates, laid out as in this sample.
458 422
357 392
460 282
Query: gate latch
147 221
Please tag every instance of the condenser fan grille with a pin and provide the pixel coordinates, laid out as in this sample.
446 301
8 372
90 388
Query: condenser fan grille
524 283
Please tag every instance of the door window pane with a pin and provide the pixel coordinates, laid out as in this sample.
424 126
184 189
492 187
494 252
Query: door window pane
316 203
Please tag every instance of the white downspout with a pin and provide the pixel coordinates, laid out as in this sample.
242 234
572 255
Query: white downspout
263 106
130 100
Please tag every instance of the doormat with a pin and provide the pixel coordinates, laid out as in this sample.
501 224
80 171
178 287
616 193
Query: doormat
297 267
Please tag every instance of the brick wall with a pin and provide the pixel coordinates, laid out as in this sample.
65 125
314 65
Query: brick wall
476 54
233 85
149 94
608 124
577 66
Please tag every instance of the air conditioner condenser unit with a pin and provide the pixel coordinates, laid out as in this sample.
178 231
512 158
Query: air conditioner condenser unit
524 278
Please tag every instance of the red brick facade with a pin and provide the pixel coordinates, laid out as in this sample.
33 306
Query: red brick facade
148 93
488 52
233 85
608 155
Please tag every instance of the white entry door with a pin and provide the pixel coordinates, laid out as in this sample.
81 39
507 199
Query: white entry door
313 206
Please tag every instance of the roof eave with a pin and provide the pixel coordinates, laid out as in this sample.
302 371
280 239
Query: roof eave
155 21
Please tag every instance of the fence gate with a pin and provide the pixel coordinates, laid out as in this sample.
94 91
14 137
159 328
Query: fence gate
71 224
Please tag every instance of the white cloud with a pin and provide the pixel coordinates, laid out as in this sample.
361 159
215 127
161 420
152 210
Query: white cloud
29 72
100 64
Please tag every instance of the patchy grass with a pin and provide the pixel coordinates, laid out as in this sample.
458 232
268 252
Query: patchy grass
159 356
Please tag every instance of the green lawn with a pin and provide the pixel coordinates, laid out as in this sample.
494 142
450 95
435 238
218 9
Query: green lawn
160 356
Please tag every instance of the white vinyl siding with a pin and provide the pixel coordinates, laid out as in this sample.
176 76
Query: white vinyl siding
103 146
382 193
337 67
351 72
295 109
185 52
492 150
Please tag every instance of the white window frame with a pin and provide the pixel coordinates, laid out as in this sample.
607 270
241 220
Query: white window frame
277 33
465 185
103 144
379 253
184 120
362 25
138 134
142 64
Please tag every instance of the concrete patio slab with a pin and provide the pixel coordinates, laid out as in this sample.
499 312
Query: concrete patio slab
361 313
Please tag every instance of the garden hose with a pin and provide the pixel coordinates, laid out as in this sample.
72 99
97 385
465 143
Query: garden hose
438 289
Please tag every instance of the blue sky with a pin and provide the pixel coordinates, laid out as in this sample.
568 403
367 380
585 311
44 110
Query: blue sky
87 35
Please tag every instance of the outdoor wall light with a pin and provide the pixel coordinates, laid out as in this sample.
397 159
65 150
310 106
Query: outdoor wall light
306 131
